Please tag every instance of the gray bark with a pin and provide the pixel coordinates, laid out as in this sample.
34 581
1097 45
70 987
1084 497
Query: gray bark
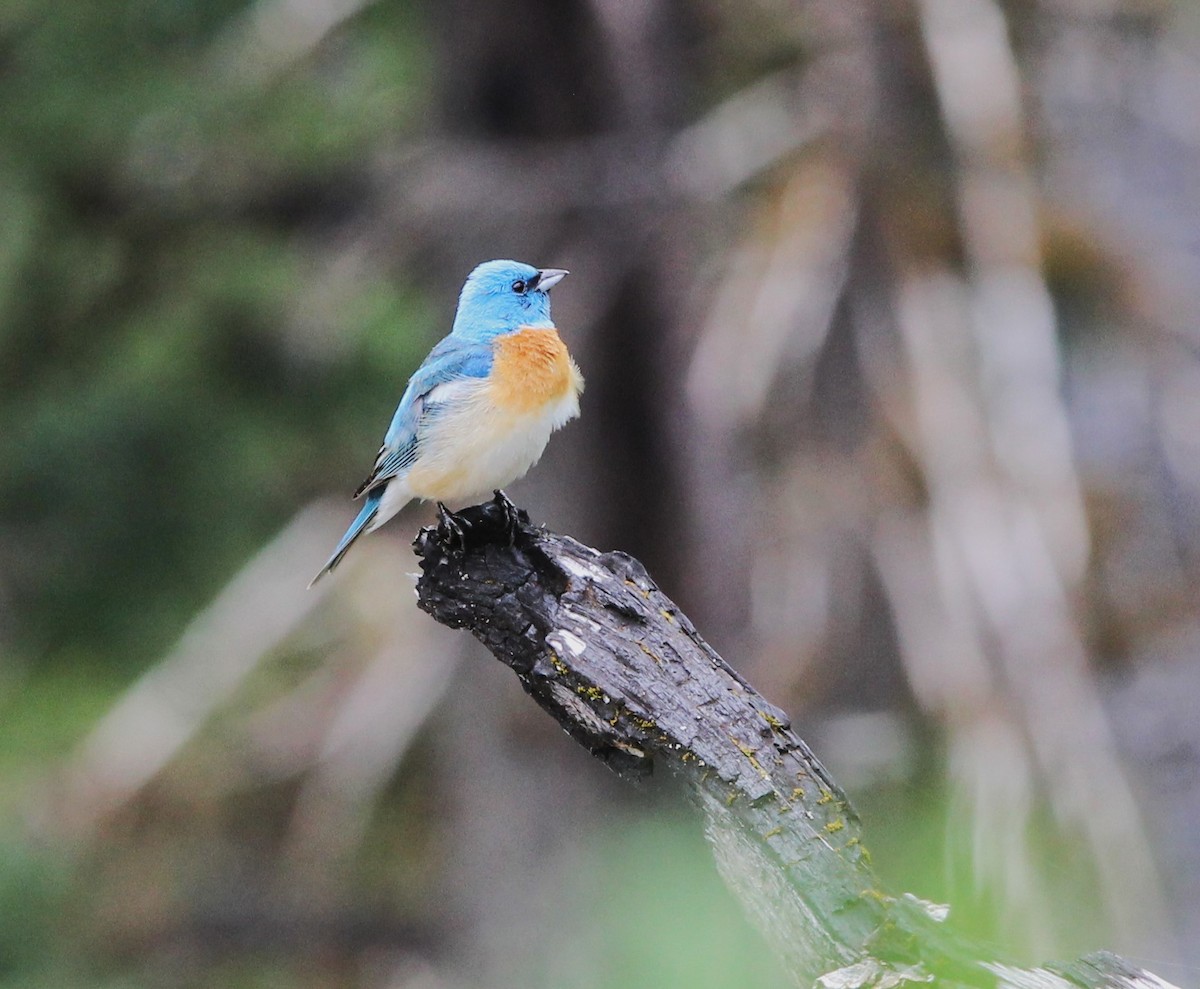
613 660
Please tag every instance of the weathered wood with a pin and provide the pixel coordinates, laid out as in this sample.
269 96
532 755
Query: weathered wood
614 661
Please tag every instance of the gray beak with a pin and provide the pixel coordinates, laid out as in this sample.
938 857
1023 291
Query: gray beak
549 277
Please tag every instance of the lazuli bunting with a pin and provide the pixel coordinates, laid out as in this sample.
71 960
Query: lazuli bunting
478 412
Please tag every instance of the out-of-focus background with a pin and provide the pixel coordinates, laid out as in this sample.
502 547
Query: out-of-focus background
890 315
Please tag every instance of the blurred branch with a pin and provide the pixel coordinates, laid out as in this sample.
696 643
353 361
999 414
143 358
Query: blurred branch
423 184
350 729
746 134
783 283
732 144
159 714
1008 533
608 656
271 36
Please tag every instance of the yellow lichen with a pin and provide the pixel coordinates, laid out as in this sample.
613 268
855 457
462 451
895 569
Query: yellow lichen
856 842
643 591
748 752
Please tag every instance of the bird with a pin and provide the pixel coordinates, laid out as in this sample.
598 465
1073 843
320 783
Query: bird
479 411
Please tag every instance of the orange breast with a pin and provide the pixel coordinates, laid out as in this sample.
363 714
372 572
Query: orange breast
530 369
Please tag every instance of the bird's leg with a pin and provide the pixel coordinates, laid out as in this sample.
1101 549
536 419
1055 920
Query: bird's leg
454 525
512 514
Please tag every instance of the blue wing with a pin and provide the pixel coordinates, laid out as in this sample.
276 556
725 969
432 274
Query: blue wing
453 359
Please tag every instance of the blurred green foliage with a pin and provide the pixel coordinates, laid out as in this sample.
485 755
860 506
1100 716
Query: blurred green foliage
647 908
176 373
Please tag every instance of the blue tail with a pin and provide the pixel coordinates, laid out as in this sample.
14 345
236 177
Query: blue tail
369 510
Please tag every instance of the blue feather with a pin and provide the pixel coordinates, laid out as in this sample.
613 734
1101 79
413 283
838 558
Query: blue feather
369 510
453 359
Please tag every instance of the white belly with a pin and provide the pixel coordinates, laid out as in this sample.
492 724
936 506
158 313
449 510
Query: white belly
476 447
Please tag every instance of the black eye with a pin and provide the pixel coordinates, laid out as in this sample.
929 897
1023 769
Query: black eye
519 287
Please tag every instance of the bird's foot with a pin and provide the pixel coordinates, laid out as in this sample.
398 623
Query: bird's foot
452 527
495 521
512 515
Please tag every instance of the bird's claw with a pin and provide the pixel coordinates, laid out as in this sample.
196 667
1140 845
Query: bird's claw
453 528
512 515
481 522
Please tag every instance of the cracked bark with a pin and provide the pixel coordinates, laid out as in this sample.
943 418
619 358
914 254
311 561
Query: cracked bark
613 660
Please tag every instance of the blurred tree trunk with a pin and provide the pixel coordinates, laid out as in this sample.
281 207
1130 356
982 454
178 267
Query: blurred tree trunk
589 90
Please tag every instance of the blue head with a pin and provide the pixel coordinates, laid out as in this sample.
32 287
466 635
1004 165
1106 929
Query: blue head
501 296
